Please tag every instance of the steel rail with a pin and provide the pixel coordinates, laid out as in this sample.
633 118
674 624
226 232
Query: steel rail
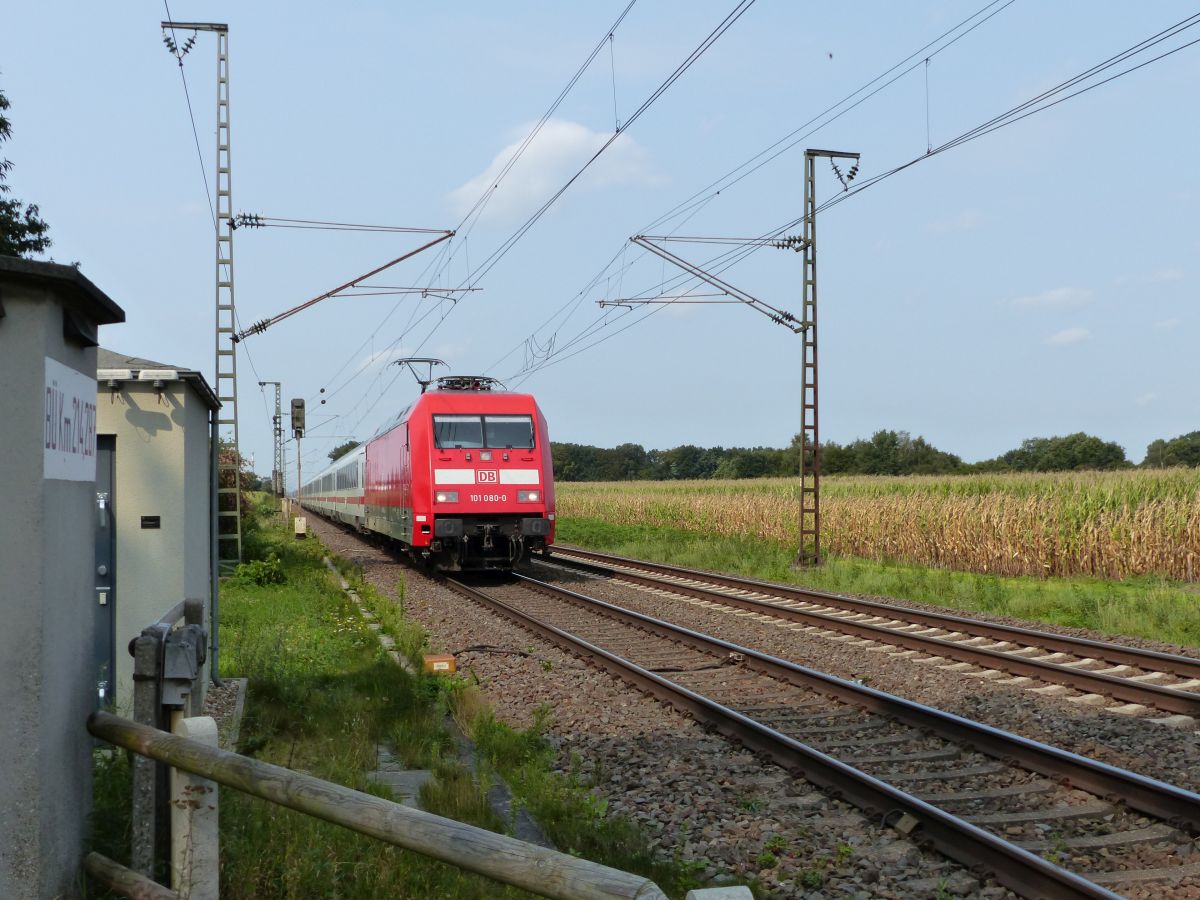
1160 696
1176 805
1184 666
1024 872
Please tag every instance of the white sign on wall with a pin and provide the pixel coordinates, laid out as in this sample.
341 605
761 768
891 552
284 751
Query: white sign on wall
70 421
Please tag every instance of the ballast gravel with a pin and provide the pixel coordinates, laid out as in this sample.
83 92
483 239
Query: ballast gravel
697 796
1168 754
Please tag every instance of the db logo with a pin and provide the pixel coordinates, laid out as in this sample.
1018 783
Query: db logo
487 476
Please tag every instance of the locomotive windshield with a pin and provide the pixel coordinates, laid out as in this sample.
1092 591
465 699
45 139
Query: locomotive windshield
458 431
473 432
509 432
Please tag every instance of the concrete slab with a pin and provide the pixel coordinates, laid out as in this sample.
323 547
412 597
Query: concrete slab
405 785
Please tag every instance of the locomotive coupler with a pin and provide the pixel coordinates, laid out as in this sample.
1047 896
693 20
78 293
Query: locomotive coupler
489 542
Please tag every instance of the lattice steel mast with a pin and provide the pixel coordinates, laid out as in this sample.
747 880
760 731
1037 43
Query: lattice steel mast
229 491
277 431
809 552
226 351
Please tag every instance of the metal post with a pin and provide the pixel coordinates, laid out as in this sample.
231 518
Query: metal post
214 554
226 348
278 442
809 552
277 423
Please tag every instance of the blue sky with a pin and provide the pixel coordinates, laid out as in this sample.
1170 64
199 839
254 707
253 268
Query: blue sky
1040 280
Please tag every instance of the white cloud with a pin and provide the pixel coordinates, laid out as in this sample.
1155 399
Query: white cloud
1064 296
1166 324
374 360
1146 399
1069 336
554 156
1165 275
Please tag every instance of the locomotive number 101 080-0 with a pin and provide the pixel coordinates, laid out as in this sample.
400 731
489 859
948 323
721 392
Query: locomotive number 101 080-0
489 498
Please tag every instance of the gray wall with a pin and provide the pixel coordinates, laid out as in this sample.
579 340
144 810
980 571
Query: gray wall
162 469
47 616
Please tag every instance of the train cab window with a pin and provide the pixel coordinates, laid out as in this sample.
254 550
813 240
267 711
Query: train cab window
458 431
509 432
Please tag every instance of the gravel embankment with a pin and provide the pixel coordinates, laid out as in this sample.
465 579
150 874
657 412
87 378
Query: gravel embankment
1129 742
695 794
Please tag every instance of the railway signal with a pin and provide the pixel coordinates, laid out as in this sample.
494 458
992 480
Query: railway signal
298 418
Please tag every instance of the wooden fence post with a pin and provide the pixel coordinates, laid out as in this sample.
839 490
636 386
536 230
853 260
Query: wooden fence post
195 849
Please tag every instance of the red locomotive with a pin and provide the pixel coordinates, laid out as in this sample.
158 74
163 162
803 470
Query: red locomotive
462 478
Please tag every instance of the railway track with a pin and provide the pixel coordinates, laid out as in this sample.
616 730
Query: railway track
1124 679
1041 820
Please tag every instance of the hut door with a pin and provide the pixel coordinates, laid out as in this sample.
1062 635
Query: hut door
106 553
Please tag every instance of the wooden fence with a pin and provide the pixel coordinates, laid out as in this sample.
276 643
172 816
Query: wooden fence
175 795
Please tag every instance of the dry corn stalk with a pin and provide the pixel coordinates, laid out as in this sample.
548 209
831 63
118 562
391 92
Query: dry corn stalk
1108 525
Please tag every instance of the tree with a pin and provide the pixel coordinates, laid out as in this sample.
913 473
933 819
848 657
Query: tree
888 453
1061 454
690 461
755 462
22 230
342 449
1178 451
574 462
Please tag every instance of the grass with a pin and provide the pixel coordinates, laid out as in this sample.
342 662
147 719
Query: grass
1141 607
322 697
1097 524
567 809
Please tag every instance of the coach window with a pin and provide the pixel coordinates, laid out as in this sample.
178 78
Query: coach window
458 431
511 432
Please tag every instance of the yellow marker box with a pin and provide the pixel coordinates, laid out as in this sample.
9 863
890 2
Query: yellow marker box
440 664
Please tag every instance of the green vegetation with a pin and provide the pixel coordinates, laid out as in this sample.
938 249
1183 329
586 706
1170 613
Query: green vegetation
1060 454
342 449
1178 451
1143 607
23 232
1113 525
323 697
566 808
886 452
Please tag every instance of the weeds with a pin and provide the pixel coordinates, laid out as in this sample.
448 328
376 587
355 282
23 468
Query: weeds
260 571
324 697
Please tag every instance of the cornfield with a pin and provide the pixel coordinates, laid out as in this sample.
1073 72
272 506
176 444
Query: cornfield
1108 525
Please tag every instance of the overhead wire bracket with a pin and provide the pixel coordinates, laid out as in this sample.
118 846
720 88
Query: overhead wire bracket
779 316
261 326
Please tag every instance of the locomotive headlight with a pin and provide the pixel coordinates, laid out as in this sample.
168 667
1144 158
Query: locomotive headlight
529 496
446 497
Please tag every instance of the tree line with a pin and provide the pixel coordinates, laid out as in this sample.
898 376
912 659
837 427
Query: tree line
886 452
